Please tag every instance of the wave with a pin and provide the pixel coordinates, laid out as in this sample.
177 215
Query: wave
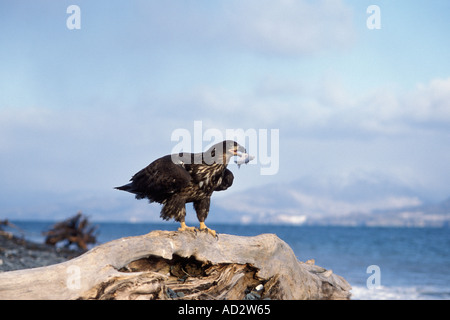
400 293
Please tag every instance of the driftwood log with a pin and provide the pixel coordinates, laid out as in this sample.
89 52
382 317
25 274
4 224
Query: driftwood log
74 230
179 265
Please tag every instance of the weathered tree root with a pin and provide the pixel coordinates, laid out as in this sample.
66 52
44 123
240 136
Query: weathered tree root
179 265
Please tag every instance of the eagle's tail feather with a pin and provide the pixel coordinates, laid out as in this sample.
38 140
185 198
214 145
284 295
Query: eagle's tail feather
127 187
130 188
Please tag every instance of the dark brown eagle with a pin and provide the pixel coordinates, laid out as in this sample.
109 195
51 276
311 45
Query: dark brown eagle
177 179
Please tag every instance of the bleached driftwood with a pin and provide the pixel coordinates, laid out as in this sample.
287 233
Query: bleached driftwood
179 265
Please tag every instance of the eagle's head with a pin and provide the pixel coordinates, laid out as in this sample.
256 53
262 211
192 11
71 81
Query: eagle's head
221 152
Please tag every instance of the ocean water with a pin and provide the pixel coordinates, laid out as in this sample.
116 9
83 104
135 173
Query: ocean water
404 263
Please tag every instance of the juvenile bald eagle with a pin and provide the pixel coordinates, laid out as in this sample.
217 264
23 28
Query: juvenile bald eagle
177 179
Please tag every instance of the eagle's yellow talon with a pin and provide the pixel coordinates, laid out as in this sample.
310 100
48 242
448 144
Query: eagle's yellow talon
203 227
184 227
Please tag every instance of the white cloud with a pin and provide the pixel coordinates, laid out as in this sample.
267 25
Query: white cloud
292 27
283 27
328 106
426 107
429 102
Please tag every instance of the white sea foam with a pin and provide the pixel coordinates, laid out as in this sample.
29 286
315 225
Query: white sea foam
399 293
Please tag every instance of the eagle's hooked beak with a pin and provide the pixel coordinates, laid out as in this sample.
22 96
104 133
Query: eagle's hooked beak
237 150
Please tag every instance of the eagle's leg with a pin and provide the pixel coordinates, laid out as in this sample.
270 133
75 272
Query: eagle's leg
180 219
175 208
202 209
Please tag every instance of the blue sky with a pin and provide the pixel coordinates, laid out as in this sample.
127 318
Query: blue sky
83 110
